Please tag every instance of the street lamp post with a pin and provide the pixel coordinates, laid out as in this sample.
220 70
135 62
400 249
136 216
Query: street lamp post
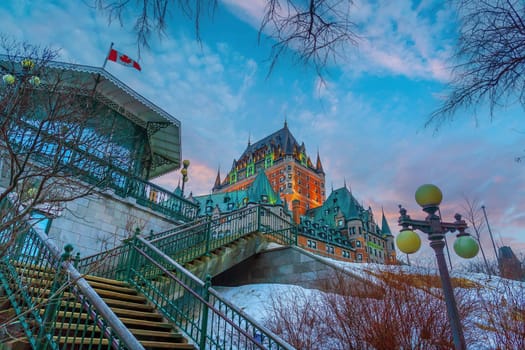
184 172
429 197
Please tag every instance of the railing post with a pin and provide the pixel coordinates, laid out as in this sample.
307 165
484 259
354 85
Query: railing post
131 254
53 300
208 236
258 218
77 260
204 318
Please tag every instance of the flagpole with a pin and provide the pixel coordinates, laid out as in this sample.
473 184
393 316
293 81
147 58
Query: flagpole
107 55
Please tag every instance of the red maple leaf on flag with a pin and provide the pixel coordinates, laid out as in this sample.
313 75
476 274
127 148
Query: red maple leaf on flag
125 59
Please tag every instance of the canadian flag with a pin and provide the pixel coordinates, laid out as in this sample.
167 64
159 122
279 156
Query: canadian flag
123 59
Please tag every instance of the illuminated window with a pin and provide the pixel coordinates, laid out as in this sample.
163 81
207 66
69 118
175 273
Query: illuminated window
312 244
330 249
233 178
268 161
250 169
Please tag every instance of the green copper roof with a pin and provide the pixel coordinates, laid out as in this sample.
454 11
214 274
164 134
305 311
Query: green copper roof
260 191
261 187
384 226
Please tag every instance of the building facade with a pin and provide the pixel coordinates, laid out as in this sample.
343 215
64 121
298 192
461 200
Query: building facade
343 229
288 167
338 227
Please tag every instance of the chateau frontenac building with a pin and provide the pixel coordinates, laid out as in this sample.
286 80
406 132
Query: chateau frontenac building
289 169
337 227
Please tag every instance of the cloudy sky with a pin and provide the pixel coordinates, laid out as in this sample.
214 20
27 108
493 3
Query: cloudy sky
367 119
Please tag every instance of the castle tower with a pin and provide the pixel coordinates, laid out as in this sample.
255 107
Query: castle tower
287 166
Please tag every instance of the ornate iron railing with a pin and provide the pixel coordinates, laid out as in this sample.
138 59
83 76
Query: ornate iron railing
55 306
197 309
103 175
153 266
198 240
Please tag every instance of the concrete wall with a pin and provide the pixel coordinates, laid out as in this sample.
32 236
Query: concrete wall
101 221
288 265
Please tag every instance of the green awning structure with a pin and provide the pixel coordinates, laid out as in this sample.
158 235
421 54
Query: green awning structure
163 130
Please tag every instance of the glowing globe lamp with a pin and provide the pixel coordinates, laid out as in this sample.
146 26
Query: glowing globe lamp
408 241
34 80
186 163
184 171
428 195
9 79
27 64
466 247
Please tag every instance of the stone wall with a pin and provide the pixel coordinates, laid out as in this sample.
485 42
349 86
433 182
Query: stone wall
289 265
101 221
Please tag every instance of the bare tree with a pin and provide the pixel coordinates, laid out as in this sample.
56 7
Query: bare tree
474 217
490 58
313 31
50 139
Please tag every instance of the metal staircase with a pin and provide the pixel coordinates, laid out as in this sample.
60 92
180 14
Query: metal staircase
131 296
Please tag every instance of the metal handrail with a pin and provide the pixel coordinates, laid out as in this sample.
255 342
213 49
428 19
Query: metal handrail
34 247
88 292
170 268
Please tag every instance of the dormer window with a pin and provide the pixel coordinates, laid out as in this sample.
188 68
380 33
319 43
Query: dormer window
264 198
209 209
230 206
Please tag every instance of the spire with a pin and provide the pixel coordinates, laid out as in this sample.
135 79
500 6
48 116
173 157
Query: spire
217 179
318 165
344 182
249 138
384 224
285 122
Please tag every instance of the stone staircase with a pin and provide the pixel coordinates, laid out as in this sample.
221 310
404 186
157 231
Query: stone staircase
227 256
133 309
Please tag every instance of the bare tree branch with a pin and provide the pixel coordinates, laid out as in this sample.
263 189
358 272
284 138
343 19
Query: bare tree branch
315 32
490 56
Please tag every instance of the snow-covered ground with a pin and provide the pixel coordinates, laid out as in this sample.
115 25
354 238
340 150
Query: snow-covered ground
256 299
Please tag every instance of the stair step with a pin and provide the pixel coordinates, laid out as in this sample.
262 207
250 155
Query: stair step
165 345
142 323
118 311
133 313
32 267
120 303
121 296
115 288
81 341
159 334
108 281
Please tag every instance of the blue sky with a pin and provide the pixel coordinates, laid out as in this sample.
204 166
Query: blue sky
367 120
